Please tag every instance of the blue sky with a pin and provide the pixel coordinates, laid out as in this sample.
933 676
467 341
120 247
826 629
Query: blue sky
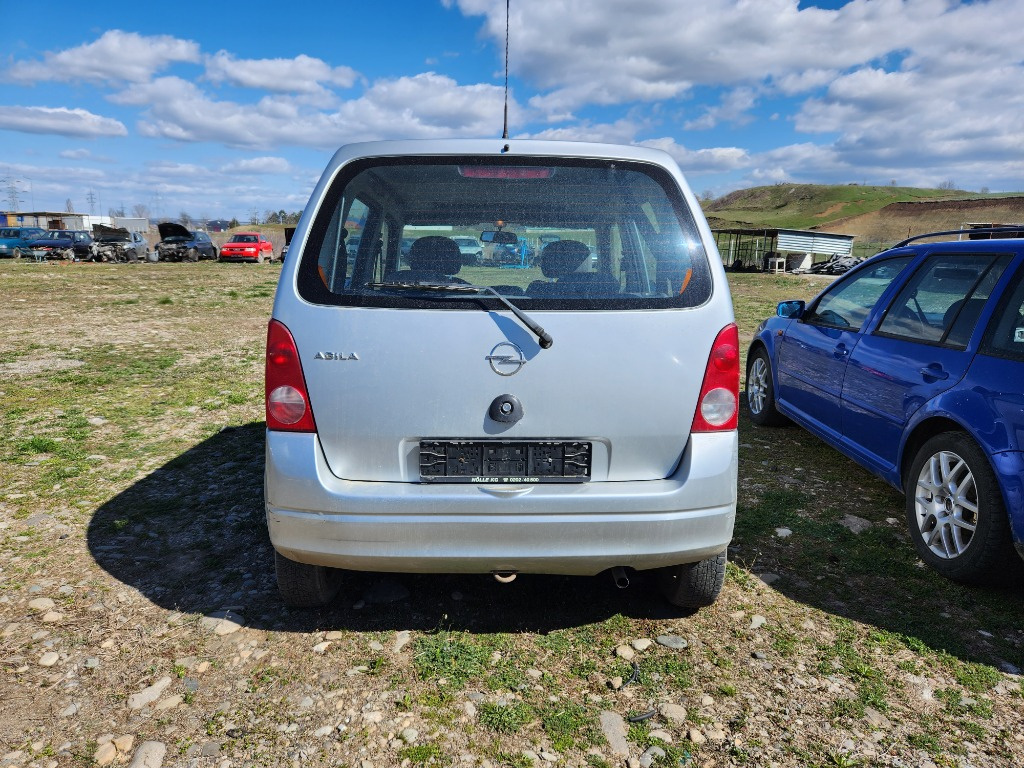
220 112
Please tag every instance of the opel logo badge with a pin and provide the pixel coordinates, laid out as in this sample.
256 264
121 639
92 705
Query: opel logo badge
506 359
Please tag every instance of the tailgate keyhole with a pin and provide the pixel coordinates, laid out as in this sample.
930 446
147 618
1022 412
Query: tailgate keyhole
506 409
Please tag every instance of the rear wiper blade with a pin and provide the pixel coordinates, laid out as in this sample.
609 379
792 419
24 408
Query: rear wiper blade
543 337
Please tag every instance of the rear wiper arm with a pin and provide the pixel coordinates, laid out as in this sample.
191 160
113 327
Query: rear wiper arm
543 337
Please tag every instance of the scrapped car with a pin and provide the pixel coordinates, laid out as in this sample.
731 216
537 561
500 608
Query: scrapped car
247 246
570 418
118 244
289 232
472 250
71 244
912 365
180 244
14 241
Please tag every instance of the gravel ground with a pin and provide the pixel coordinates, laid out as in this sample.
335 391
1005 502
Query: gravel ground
140 623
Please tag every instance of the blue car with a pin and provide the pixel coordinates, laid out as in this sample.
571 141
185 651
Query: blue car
912 364
14 241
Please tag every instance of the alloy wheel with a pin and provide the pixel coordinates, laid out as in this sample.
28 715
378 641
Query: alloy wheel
757 384
946 503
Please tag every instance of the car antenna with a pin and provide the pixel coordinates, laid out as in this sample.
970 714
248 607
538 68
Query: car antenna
504 133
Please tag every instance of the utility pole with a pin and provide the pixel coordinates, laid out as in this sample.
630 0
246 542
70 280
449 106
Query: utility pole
90 198
13 195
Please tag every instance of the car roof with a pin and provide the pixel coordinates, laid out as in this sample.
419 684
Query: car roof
500 147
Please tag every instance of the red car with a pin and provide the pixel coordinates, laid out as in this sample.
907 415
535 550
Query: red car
247 246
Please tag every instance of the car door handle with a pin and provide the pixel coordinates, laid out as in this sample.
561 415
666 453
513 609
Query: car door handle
840 351
934 372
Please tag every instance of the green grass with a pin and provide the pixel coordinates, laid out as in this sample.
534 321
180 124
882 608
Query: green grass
801 206
454 657
569 725
506 718
424 754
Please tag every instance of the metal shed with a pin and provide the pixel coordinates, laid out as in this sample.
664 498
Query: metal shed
750 248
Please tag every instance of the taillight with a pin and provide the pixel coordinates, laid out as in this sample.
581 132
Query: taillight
287 401
718 404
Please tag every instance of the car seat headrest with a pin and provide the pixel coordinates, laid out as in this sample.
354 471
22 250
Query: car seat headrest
562 257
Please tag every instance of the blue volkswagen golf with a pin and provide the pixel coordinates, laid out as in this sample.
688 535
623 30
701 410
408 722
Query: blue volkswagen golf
912 364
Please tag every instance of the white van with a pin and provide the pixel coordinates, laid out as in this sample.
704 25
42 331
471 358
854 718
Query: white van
570 413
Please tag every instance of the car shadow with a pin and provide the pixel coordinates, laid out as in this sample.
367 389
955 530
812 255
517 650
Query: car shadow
192 537
836 539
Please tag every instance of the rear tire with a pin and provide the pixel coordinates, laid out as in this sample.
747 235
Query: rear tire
761 391
955 512
305 586
693 585
17 253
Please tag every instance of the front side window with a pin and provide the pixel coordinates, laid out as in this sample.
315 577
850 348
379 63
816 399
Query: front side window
848 303
1005 334
942 301
554 234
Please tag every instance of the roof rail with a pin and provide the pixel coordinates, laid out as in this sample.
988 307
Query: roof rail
980 230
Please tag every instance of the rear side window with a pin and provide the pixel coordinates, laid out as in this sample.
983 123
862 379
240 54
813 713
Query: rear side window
1005 335
941 303
549 233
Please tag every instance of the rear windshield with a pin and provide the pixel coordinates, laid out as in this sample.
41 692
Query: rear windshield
550 234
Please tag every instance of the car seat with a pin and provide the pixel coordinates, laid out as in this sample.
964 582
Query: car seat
558 262
432 259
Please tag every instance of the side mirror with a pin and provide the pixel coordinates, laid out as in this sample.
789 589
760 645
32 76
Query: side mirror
791 309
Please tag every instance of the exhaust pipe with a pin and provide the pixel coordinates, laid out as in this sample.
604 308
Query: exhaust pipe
619 577
504 577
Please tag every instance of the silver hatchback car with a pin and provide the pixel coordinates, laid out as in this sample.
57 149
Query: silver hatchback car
567 414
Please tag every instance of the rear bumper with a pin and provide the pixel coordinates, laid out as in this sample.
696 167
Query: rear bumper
580 529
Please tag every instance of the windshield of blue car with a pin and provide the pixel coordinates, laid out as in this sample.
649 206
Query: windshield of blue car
560 234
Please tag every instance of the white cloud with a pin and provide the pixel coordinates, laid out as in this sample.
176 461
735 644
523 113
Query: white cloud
116 56
620 51
894 120
258 165
426 106
620 132
702 161
423 106
59 120
734 108
84 154
303 74
189 171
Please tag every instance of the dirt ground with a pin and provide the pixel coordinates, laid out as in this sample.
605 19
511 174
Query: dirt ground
140 622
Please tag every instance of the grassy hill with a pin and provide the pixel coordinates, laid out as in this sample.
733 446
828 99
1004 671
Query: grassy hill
806 206
903 219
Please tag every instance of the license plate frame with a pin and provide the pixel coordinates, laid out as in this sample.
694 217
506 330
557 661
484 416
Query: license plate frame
505 461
